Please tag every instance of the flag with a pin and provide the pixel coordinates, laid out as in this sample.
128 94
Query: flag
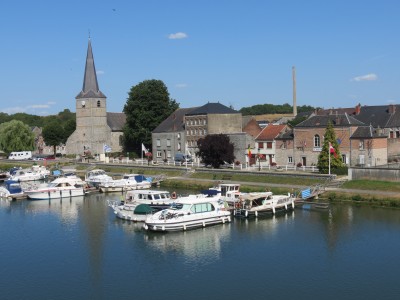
144 149
106 148
332 150
249 152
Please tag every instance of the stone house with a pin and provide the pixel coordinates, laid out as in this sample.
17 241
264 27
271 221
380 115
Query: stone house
266 142
169 137
180 132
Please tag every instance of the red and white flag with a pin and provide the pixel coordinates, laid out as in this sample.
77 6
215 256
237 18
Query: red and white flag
332 150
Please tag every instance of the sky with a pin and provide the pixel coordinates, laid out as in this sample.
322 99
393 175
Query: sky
236 52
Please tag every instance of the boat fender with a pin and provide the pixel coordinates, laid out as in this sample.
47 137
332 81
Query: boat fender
256 213
237 204
173 195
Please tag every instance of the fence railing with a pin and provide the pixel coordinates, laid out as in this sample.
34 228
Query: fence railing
255 167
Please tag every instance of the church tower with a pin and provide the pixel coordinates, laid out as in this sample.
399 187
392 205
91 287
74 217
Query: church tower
92 131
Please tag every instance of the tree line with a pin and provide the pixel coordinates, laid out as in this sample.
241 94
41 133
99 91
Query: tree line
262 109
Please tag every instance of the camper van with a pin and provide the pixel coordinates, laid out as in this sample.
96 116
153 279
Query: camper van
20 155
180 157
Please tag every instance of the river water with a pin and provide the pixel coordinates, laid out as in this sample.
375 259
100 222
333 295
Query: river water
78 249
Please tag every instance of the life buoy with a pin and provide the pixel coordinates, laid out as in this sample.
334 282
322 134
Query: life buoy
237 204
173 195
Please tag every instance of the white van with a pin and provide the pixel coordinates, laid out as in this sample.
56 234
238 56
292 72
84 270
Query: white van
20 155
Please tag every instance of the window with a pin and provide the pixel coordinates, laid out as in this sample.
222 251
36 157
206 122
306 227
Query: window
361 145
284 145
205 131
158 143
168 143
317 141
344 159
98 103
269 145
179 146
169 153
158 154
261 145
178 136
188 132
290 159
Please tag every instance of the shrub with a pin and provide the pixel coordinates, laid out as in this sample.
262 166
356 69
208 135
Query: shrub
273 164
299 165
237 163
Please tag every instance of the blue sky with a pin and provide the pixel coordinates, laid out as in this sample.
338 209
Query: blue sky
239 53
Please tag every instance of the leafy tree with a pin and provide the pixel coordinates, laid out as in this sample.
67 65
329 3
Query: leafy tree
215 150
16 136
261 109
323 158
147 106
69 128
53 135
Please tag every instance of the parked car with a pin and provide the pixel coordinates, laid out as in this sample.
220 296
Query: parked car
182 158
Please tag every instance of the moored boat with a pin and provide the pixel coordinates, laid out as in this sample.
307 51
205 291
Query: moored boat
97 177
254 204
127 183
62 187
193 212
34 173
12 190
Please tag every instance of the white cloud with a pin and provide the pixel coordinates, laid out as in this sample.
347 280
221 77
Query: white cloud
181 85
367 77
51 102
177 36
38 106
100 72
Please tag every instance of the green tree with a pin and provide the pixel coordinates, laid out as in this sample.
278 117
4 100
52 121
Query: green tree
69 128
53 135
16 136
215 150
323 158
147 106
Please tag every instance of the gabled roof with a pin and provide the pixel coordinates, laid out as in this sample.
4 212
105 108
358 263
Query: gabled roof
90 87
116 121
270 132
212 108
384 116
286 135
174 122
367 132
344 120
251 127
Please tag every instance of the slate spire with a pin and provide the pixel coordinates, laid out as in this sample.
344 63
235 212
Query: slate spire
90 88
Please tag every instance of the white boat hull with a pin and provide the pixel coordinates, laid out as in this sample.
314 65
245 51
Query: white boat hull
54 194
184 223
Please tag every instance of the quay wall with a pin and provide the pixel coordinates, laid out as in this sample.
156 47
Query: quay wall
380 174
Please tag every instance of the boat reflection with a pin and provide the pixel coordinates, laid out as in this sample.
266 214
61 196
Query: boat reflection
202 244
67 209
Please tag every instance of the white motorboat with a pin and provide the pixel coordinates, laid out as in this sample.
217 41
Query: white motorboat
12 190
127 183
34 173
97 177
139 203
62 187
254 204
229 192
193 212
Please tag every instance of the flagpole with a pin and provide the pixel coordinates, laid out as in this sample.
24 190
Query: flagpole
329 153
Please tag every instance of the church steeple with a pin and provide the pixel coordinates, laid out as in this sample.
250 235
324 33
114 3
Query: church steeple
90 87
